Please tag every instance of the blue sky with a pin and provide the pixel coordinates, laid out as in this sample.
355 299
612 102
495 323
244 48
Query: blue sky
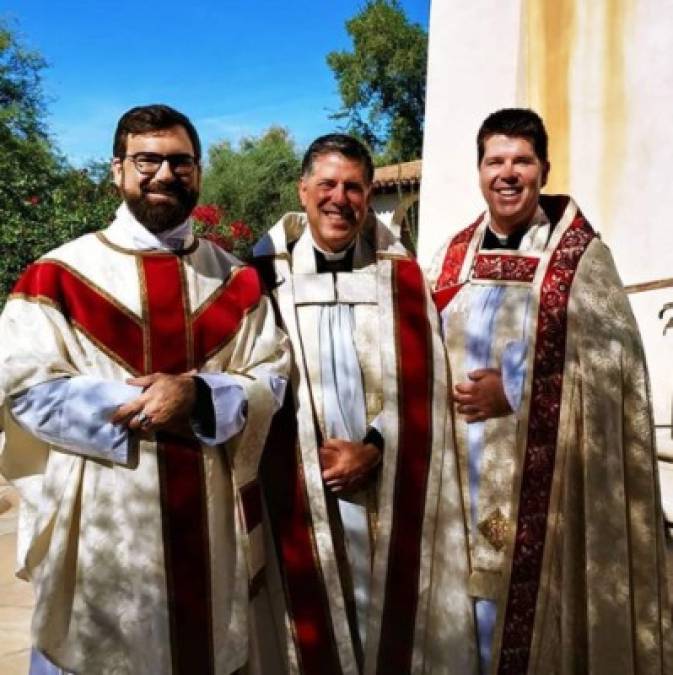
235 67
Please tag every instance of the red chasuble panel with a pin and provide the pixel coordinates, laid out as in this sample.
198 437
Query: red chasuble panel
503 267
455 255
109 325
290 516
224 311
447 285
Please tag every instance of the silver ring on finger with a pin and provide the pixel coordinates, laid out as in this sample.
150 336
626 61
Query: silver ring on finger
143 419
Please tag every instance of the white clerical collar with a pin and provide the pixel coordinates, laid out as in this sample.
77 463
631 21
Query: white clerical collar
330 256
127 232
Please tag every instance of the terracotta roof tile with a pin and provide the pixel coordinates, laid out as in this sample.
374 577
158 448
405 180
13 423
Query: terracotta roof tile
403 174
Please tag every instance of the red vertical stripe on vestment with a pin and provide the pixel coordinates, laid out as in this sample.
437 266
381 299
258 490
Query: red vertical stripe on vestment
415 375
167 309
290 515
187 554
540 453
183 496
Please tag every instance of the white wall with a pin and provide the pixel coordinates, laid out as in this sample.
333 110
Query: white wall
473 69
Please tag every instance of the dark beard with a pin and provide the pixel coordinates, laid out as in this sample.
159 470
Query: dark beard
162 217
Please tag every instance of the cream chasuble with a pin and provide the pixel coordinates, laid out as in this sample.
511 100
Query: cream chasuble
145 567
320 581
565 524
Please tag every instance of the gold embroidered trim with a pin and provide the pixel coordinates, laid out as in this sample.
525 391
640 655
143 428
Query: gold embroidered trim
214 296
144 303
187 311
495 528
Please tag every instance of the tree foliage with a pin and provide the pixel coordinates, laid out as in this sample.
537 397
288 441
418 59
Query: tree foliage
43 201
255 183
382 81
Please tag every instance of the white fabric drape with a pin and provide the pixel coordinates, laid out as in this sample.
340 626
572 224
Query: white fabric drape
345 418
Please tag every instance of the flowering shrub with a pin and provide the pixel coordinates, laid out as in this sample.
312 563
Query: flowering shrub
41 209
210 223
239 230
208 214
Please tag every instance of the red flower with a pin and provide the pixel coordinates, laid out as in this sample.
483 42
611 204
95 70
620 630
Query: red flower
208 214
220 240
239 230
33 199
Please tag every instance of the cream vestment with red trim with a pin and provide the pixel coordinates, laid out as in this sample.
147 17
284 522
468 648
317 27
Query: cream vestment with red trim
405 381
141 568
568 533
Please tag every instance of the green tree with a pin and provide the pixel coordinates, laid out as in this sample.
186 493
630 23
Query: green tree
255 183
382 81
43 201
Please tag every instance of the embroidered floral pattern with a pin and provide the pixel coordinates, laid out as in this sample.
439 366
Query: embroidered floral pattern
455 255
497 267
540 454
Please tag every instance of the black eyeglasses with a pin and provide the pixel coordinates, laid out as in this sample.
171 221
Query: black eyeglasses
148 163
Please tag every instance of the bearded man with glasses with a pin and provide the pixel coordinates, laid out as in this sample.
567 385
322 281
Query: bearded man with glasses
140 368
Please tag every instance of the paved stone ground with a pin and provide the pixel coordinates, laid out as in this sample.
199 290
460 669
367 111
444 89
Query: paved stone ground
16 596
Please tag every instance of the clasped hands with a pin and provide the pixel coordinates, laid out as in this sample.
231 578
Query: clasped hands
482 397
346 465
166 404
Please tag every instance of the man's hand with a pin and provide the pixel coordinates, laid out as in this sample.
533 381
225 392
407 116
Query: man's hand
483 396
165 404
346 465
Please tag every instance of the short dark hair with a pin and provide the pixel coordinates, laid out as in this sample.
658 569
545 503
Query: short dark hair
519 122
144 119
342 144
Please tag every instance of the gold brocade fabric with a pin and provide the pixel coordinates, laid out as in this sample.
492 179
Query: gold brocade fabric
603 604
498 462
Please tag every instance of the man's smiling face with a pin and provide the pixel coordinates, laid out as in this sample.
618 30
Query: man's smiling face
511 176
162 200
335 195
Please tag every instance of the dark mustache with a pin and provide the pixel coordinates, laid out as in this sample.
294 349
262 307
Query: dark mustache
174 188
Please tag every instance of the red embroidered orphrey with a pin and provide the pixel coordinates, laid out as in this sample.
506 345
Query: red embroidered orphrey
447 285
499 267
178 341
455 255
540 453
